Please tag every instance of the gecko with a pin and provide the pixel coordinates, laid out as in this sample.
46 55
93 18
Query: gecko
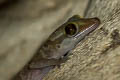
62 40
56 48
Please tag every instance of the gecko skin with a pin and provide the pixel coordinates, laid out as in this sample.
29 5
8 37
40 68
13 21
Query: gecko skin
64 39
56 48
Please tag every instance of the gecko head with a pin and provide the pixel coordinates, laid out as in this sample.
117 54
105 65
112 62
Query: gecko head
74 31
68 35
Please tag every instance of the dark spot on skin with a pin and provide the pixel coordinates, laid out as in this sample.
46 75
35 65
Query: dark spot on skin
45 45
57 45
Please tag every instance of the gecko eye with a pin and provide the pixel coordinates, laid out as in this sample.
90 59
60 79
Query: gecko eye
71 29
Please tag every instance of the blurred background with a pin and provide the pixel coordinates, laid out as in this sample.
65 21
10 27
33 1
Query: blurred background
26 24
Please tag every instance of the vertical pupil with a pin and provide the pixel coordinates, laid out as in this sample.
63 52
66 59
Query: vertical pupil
70 29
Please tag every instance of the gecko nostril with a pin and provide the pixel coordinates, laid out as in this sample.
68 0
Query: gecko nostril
58 45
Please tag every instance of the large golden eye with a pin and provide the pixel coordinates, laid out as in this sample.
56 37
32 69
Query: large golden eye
71 29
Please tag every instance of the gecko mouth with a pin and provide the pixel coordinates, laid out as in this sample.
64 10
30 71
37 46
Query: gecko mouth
66 54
